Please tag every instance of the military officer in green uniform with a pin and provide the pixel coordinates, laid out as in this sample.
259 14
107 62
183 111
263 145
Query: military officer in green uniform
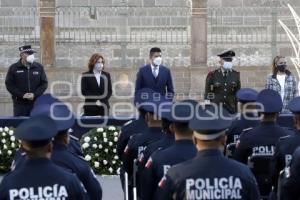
223 83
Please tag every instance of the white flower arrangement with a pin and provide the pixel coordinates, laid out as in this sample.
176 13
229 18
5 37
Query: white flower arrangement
99 146
8 146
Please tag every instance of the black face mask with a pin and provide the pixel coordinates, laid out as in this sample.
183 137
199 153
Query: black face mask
281 68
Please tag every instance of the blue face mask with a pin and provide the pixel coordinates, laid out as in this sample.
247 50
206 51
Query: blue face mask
98 67
227 65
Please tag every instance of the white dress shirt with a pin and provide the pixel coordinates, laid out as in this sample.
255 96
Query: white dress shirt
97 75
155 68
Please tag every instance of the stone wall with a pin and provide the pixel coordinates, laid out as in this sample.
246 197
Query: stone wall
189 82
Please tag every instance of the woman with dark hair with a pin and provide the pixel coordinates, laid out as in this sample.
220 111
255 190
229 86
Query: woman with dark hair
96 87
282 81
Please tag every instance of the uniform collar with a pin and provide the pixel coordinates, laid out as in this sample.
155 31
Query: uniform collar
20 64
155 130
268 123
184 142
209 152
57 146
36 161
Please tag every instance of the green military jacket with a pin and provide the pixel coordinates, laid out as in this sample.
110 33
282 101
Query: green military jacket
221 87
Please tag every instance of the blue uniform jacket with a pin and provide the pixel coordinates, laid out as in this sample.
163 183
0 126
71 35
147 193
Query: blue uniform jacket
137 145
41 179
162 84
290 189
237 127
64 158
210 175
20 80
161 161
283 155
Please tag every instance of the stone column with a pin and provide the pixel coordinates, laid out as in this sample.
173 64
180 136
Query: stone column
199 33
47 32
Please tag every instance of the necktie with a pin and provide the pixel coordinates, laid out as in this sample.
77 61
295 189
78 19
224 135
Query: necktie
154 72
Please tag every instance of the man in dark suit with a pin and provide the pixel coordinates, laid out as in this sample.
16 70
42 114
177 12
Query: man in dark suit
155 76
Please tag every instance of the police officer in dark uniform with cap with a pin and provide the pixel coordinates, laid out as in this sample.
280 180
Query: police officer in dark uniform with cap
261 140
74 144
133 127
210 175
137 144
223 83
286 145
290 187
41 105
247 117
39 178
183 149
25 80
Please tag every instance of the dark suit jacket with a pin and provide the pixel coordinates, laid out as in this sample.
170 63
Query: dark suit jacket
162 84
92 92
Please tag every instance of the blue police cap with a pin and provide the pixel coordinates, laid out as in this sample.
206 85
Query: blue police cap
27 49
45 99
294 105
35 129
157 105
245 95
57 111
182 111
210 122
270 100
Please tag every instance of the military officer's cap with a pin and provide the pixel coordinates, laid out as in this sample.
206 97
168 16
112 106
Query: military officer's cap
26 49
182 111
227 55
210 122
37 130
57 111
294 105
156 104
270 101
245 95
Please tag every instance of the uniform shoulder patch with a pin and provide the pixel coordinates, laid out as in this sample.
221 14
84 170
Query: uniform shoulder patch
247 129
284 137
73 137
127 123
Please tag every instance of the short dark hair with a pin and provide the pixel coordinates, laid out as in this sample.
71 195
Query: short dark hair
154 50
61 135
183 129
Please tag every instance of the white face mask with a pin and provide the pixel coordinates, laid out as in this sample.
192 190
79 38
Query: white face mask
30 58
157 61
227 65
98 67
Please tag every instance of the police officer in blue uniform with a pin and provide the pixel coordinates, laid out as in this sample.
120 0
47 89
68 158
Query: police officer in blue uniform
290 187
133 127
286 145
137 144
39 177
261 140
183 149
247 117
74 144
61 155
25 80
210 175
166 141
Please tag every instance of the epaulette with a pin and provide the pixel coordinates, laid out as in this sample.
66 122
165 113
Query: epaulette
127 123
73 137
247 129
284 137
